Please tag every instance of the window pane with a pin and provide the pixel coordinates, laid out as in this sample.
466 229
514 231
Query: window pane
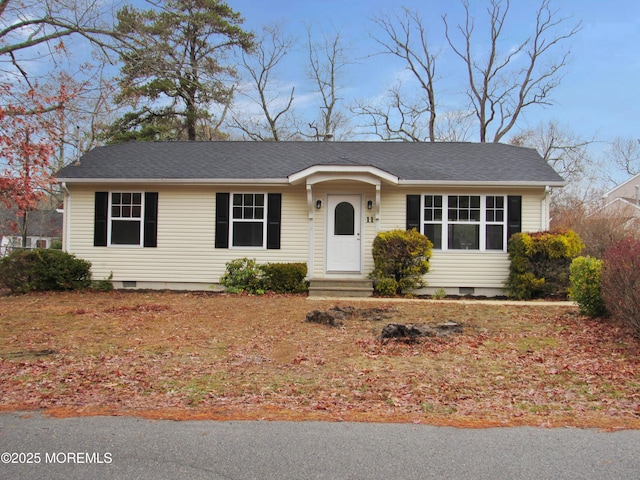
464 237
495 237
259 213
428 201
125 232
428 215
237 212
475 216
474 201
248 213
248 199
126 198
136 212
115 211
259 200
237 199
434 233
126 211
247 234
500 216
137 198
344 219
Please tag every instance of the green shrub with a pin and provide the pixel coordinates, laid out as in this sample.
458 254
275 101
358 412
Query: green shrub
37 270
585 289
439 294
540 262
104 285
402 256
284 277
386 287
242 275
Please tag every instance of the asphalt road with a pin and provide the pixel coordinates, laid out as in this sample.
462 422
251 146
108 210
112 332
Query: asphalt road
36 447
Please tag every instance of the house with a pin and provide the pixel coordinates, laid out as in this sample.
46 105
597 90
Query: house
44 228
171 214
622 203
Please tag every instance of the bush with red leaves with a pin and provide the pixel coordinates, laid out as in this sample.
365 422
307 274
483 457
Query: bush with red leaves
621 282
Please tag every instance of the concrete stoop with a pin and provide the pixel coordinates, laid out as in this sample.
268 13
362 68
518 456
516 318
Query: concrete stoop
329 287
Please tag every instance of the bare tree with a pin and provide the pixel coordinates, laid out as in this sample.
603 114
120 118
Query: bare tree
564 150
500 87
625 152
402 116
25 25
396 118
274 122
327 62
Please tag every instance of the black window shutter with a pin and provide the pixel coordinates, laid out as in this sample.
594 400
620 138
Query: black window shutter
151 219
274 209
222 220
413 212
100 219
514 215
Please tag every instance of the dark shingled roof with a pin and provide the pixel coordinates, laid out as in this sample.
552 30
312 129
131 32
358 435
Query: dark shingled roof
433 162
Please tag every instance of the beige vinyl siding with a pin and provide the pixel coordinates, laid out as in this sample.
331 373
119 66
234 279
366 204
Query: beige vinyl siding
186 233
457 268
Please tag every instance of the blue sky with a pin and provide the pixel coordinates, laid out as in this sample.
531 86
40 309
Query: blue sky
599 95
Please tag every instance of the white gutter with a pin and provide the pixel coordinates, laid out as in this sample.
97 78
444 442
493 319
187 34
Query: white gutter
172 181
480 183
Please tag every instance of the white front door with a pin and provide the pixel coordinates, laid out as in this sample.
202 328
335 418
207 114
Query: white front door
344 248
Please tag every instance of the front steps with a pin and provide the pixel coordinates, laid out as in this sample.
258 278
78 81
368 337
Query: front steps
331 287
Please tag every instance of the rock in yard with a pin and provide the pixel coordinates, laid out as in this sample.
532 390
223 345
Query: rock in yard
336 314
324 318
410 330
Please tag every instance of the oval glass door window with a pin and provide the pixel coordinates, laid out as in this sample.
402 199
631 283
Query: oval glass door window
344 219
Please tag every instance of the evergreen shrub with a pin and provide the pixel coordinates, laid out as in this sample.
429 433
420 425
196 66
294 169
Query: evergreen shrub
24 271
284 277
540 262
585 288
401 258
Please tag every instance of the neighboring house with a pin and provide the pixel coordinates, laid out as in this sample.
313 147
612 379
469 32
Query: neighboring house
44 227
622 204
171 214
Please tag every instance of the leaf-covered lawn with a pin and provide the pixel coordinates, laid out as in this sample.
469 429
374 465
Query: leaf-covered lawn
189 355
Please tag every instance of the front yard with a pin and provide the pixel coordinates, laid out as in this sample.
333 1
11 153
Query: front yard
190 355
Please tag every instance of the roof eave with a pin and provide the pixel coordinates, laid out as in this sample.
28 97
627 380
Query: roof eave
483 183
176 181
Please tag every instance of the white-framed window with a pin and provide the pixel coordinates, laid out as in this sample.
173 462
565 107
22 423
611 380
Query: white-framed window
125 218
495 217
465 222
248 220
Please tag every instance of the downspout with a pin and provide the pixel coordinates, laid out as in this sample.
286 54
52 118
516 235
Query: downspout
544 209
66 217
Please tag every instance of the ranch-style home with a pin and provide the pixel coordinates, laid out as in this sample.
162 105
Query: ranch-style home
170 215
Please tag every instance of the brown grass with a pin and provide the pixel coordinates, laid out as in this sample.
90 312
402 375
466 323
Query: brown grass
187 355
